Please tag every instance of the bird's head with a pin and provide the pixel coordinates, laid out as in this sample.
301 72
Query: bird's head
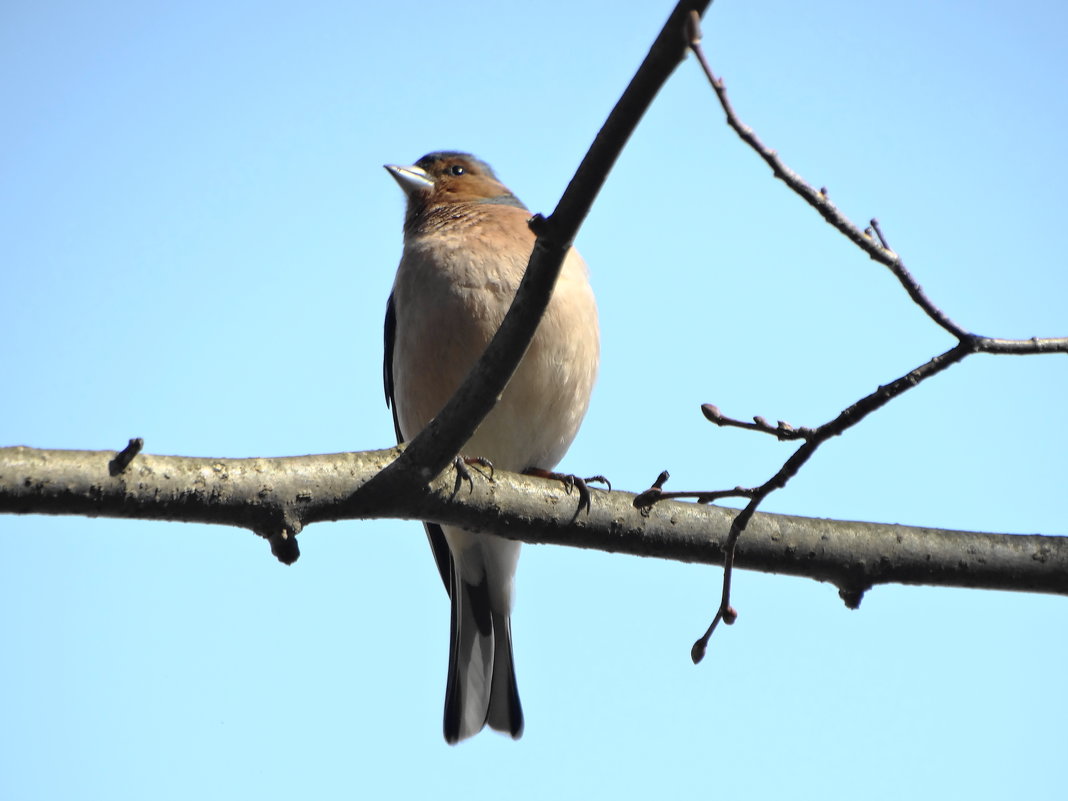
447 178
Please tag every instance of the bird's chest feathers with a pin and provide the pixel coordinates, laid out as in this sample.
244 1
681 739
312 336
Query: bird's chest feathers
450 295
458 279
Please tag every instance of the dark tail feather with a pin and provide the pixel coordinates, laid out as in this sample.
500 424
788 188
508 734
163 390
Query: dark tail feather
505 711
481 686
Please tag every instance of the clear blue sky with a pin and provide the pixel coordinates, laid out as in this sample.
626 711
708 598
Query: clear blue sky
196 243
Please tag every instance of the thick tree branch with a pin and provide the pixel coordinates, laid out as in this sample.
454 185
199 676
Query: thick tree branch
273 495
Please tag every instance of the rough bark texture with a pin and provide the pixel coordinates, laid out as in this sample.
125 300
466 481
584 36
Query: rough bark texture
277 498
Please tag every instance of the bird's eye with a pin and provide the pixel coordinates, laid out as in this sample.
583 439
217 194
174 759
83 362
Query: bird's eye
456 169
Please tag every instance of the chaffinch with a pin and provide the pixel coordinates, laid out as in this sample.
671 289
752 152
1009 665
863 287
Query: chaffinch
466 245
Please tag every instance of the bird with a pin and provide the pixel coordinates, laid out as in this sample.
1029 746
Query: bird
466 245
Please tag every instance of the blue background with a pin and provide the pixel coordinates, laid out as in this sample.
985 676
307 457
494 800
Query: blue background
196 243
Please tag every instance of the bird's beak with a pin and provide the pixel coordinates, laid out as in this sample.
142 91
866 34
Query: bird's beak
413 180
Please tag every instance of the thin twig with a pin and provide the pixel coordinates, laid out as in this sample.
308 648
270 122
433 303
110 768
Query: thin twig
878 248
819 199
781 430
879 233
848 418
1021 347
125 456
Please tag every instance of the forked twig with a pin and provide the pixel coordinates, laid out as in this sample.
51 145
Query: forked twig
878 249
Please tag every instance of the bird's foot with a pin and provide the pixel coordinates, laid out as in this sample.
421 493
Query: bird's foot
463 474
571 482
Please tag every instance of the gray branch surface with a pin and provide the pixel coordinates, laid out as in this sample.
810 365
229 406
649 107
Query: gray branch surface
279 497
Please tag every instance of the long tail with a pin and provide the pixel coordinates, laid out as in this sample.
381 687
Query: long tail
481 686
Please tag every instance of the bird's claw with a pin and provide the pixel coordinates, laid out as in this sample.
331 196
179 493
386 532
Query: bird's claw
600 480
479 461
460 463
572 482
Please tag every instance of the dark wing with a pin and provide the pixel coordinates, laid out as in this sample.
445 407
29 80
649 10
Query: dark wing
438 545
387 363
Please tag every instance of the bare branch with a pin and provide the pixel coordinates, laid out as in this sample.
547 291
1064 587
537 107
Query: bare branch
819 199
781 430
1021 347
878 248
274 496
644 501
